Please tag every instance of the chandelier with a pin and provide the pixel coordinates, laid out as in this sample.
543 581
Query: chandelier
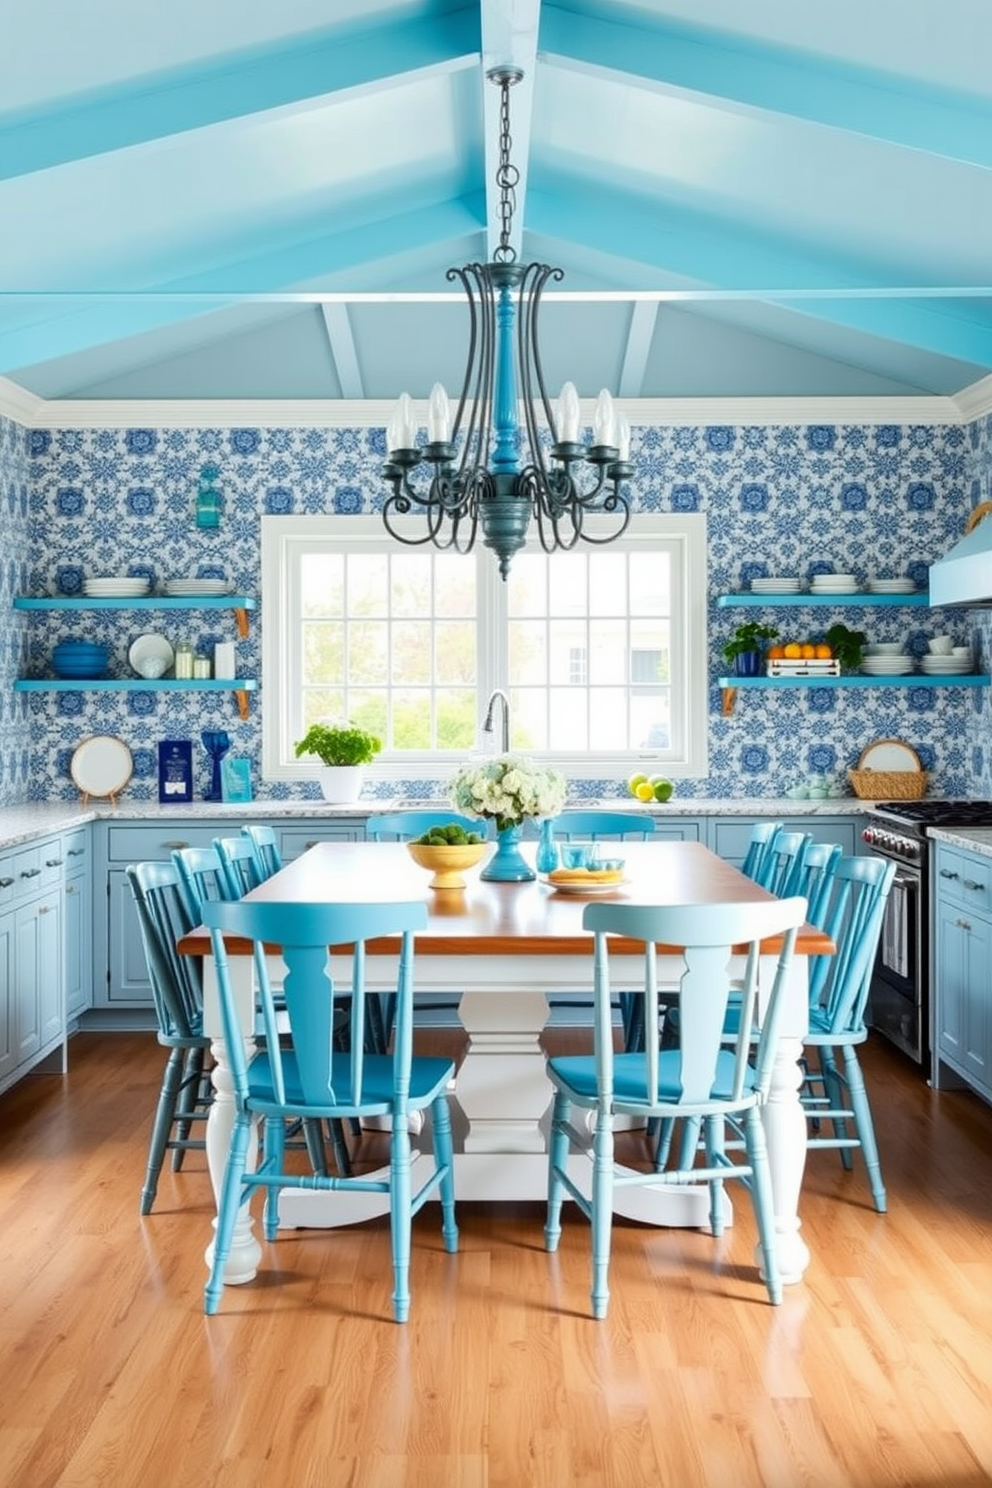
484 470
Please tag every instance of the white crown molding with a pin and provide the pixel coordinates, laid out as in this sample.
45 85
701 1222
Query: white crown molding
37 413
975 401
18 404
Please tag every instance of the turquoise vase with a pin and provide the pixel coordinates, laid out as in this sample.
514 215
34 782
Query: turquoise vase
506 864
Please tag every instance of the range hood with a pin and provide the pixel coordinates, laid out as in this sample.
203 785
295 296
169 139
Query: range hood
964 575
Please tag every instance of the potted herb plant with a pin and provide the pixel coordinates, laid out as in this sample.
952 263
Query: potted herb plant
745 649
847 645
343 750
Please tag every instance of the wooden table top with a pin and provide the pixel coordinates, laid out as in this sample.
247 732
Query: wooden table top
499 919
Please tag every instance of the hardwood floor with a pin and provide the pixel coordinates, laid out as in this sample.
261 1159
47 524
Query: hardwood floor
877 1370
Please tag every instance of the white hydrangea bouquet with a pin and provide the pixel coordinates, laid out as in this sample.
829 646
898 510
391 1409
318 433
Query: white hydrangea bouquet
508 788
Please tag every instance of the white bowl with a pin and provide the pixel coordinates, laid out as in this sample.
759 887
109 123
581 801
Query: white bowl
884 648
940 645
960 650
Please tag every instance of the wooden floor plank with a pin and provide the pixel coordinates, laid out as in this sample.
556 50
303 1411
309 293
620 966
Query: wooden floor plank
873 1372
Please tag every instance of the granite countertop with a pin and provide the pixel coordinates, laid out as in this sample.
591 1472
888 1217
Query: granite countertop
35 819
972 839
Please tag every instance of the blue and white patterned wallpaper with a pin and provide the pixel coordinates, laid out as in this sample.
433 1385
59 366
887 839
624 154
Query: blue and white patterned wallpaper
15 548
882 500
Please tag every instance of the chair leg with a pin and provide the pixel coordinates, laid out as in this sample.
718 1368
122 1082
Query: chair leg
164 1114
763 1200
833 1085
399 1214
557 1161
342 1157
602 1212
864 1127
314 1138
273 1160
714 1138
230 1203
444 1159
190 1096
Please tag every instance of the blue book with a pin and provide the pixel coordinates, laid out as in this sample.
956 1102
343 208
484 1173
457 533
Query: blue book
175 771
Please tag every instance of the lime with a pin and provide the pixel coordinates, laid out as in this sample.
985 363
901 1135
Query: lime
635 781
662 790
644 791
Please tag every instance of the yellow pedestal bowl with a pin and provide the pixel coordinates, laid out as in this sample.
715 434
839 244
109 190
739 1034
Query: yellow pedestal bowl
447 863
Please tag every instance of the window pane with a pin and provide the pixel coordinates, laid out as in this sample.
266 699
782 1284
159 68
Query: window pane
323 652
323 705
411 719
368 584
410 584
567 584
411 661
569 728
368 659
528 585
608 659
454 584
457 718
608 718
528 641
608 583
650 584
528 720
454 653
322 583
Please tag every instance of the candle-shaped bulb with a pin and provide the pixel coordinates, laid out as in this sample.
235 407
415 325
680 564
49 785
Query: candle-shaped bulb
604 421
623 438
438 416
401 432
569 414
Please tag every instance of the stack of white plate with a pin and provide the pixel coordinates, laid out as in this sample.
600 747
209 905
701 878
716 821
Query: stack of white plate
115 588
946 666
833 583
891 586
887 666
205 587
775 586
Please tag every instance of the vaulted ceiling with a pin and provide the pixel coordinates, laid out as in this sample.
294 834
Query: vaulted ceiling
240 199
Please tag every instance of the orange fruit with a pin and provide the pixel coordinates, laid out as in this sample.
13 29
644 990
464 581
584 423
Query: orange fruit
793 650
823 652
809 651
775 653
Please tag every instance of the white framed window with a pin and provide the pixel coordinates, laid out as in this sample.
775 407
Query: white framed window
602 650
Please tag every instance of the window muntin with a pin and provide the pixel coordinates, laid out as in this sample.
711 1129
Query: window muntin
602 650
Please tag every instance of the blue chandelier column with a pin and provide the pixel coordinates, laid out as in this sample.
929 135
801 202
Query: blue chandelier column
507 865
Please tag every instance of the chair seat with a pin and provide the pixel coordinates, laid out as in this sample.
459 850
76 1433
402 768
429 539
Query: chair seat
577 1072
428 1079
821 1032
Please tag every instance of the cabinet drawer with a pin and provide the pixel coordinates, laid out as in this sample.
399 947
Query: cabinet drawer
964 878
38 866
76 852
153 844
295 840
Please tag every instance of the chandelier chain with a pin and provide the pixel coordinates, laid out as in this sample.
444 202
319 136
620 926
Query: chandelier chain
507 178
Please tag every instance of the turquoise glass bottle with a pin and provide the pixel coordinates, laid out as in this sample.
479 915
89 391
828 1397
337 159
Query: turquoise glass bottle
547 848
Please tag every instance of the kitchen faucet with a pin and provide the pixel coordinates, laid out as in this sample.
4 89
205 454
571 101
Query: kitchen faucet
487 727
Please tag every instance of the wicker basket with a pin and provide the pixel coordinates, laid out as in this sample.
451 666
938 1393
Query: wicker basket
889 785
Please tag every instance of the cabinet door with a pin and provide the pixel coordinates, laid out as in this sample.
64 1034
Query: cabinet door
128 970
293 841
964 988
8 1052
730 835
78 944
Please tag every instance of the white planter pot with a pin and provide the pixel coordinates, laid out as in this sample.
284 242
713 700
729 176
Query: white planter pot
341 784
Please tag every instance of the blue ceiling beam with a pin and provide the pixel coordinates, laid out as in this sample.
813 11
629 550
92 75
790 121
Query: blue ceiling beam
686 248
733 72
939 326
70 326
239 84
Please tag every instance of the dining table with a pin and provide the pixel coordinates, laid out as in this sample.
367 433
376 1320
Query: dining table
505 949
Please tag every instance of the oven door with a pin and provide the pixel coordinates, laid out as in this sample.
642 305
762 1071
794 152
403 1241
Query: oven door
897 1002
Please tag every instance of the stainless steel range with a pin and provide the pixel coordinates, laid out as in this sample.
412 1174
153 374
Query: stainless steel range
899 1005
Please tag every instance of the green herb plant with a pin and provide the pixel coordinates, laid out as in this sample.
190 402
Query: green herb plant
339 745
847 645
748 637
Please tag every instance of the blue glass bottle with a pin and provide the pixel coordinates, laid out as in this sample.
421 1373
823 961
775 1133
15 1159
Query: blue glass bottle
208 498
547 848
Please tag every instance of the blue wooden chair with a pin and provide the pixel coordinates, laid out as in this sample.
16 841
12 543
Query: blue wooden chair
308 1078
780 869
701 1078
240 864
263 839
762 835
839 985
186 1093
203 877
599 826
403 826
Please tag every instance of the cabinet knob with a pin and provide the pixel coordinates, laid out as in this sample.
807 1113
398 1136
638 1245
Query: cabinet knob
5 883
75 852
53 862
971 883
946 873
30 872
173 846
963 924
43 909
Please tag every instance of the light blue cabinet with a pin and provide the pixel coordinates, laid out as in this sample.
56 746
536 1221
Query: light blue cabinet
730 835
78 871
962 964
32 959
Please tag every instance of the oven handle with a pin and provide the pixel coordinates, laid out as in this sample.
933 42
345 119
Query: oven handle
902 882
